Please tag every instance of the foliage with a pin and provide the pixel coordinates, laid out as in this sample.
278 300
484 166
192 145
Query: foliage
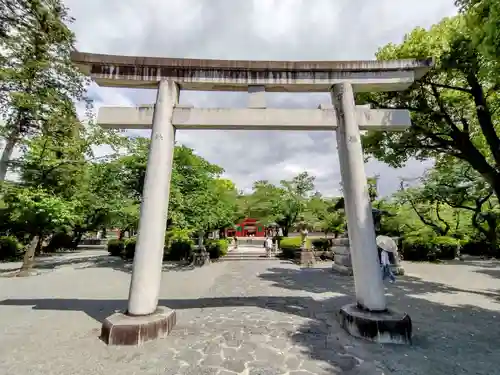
178 244
429 248
321 244
217 248
39 211
59 240
289 246
199 199
283 204
10 248
116 247
129 251
38 81
460 201
454 107
483 18
323 215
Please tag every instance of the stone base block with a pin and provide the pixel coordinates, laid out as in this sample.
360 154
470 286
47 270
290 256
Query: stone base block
122 329
387 327
307 258
344 270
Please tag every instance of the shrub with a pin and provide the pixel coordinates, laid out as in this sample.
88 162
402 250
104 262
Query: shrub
475 247
321 244
178 244
129 248
180 250
58 241
116 247
290 245
217 248
446 247
10 248
429 248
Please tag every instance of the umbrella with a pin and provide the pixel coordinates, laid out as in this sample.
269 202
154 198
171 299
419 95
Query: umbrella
387 243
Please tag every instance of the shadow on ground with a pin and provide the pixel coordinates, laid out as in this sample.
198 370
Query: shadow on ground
459 339
494 273
97 261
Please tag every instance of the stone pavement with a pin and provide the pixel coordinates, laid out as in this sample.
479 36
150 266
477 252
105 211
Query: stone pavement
250 317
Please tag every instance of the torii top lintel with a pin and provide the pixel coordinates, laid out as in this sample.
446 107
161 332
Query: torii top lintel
237 75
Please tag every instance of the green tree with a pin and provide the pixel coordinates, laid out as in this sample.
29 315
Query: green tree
453 107
37 78
282 204
41 213
323 215
199 198
483 18
468 197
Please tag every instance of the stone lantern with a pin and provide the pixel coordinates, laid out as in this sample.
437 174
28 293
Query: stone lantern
307 258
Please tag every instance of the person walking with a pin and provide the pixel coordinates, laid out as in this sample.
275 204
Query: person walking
387 245
268 244
386 267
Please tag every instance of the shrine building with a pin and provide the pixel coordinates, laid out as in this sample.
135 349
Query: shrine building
247 227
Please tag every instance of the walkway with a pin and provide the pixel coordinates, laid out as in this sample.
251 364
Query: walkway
248 253
255 317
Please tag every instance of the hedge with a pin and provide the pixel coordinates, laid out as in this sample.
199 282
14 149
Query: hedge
129 248
177 247
10 248
60 240
477 248
216 248
321 244
180 249
116 247
290 245
423 248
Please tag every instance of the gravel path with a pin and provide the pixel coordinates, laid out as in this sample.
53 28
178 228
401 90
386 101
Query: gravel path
249 317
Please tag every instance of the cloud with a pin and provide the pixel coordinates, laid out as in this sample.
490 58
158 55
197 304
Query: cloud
258 29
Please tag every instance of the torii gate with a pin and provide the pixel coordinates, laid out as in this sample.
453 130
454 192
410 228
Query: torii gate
144 320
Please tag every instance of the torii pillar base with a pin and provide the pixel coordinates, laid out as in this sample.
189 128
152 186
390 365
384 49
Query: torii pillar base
386 327
123 329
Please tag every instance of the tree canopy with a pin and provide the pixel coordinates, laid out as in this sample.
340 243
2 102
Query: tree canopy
454 107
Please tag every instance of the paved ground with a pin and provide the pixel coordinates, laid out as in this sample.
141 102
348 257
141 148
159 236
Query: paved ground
251 317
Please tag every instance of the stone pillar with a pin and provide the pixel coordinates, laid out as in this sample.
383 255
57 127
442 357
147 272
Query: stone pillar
366 266
146 274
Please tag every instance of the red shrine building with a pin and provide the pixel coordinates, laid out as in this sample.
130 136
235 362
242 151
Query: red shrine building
247 227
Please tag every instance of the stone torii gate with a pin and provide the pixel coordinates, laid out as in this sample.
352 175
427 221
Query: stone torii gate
144 320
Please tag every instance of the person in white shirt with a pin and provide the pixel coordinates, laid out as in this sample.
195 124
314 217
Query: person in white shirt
268 244
386 267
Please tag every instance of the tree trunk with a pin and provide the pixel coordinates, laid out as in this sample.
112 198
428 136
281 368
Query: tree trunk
10 144
496 186
29 257
39 246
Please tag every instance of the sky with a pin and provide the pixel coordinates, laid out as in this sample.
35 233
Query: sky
254 30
